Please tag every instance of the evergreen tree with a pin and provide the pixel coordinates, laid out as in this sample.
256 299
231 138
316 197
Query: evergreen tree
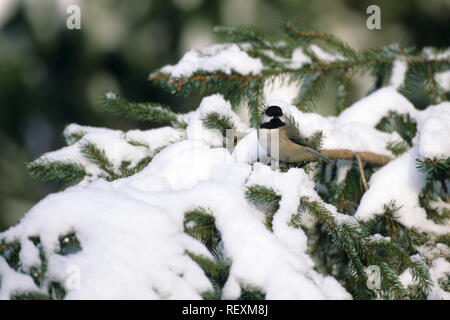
375 220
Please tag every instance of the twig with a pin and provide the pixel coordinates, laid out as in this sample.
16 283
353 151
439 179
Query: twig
361 172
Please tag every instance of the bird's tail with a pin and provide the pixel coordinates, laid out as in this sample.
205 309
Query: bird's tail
318 155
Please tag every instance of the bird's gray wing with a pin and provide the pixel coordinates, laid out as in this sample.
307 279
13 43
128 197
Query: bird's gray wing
293 133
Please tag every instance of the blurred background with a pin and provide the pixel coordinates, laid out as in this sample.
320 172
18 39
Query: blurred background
51 76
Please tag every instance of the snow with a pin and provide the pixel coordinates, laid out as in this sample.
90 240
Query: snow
29 256
12 282
399 69
7 9
440 268
131 230
443 79
323 55
155 139
132 239
298 59
399 180
354 130
116 144
432 251
434 54
226 58
110 95
434 129
280 89
249 150
343 167
214 103
372 108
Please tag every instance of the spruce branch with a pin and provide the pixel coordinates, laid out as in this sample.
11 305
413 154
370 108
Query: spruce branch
201 224
403 124
302 35
98 157
249 292
397 147
266 199
217 272
215 120
311 88
359 248
72 137
10 250
437 172
275 52
151 112
56 170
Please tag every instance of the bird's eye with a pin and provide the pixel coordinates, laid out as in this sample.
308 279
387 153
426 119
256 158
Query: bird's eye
274 111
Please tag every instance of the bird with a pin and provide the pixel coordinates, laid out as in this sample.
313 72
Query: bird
292 146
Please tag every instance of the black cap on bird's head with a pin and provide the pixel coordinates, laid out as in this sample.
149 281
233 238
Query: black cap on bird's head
274 111
271 118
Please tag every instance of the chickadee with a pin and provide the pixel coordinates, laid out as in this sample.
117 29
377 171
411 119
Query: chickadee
291 145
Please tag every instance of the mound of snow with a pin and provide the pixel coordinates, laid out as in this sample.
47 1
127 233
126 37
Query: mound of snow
133 241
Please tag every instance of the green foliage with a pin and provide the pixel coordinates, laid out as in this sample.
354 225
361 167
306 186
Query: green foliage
275 53
340 246
305 36
215 120
150 112
251 293
31 296
310 90
37 273
72 137
400 123
201 224
98 157
435 168
314 141
397 147
56 170
346 193
435 189
49 290
266 199
217 272
69 244
360 249
386 224
56 291
10 252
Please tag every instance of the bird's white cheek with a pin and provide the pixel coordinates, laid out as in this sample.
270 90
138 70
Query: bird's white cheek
265 119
